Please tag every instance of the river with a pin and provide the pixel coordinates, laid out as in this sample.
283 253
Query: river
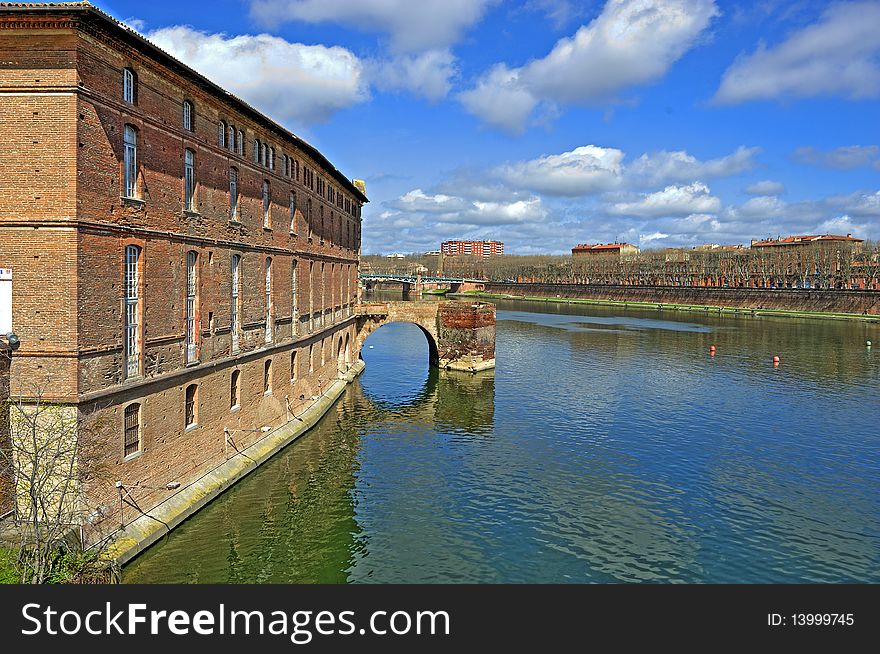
607 446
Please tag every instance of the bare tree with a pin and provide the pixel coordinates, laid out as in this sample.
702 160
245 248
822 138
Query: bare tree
51 460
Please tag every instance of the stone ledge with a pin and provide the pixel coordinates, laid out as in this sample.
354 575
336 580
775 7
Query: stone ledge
139 534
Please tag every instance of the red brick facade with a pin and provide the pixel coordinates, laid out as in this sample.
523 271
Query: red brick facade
65 225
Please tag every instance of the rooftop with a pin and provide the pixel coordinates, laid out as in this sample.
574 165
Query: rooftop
803 240
89 11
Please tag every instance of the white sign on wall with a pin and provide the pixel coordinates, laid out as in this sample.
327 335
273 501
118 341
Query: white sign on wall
5 300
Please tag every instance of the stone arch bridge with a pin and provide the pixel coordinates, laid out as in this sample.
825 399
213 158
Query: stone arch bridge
461 335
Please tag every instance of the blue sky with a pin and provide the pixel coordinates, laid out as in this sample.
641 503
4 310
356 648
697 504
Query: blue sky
546 123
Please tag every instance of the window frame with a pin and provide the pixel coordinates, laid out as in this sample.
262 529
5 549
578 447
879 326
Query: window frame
132 310
129 86
191 343
189 180
191 407
132 409
129 162
188 114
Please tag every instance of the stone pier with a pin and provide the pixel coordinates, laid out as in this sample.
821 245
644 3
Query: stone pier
461 335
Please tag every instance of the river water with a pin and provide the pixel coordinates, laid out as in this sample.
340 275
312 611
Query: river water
607 446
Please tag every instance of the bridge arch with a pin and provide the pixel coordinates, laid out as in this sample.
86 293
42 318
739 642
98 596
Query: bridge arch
460 335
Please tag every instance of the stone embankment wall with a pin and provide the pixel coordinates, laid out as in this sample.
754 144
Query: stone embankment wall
806 300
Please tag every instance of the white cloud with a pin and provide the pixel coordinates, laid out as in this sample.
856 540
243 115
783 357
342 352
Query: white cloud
631 42
838 55
500 99
766 187
428 74
671 201
679 166
585 170
591 169
292 82
843 158
412 25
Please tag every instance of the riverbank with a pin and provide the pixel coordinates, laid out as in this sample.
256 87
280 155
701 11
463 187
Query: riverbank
738 311
139 534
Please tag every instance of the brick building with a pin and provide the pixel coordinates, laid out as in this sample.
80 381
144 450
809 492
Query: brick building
473 248
616 249
183 264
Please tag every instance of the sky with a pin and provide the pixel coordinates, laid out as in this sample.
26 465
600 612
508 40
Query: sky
548 123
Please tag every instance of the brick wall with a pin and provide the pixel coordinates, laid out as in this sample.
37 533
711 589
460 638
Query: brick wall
64 226
828 301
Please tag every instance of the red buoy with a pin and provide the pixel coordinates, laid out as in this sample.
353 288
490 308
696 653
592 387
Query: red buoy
775 359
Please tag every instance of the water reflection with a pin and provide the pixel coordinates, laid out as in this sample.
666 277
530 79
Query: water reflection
607 446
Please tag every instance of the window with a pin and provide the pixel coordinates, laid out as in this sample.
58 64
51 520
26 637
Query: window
272 158
236 285
267 377
234 388
309 217
267 220
230 141
311 297
221 134
191 406
132 312
293 366
241 142
268 299
257 150
189 180
187 115
264 154
131 442
129 82
130 162
292 213
233 194
312 358
294 312
192 327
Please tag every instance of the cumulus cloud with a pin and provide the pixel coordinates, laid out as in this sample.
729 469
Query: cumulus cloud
441 208
844 158
412 26
679 166
631 42
428 74
501 100
292 82
766 187
673 200
585 170
838 55
591 169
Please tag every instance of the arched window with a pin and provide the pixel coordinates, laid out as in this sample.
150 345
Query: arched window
192 328
235 320
230 141
272 158
269 299
257 150
129 85
264 154
294 300
221 134
187 115
130 162
191 405
267 377
131 440
292 212
267 218
234 389
241 142
233 194
132 312
293 366
189 180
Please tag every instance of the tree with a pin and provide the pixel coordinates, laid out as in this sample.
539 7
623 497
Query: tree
51 459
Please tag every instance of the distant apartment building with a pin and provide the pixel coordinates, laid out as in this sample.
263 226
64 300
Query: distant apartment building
473 248
618 249
185 267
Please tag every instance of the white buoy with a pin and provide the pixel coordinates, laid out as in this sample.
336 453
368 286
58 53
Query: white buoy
868 343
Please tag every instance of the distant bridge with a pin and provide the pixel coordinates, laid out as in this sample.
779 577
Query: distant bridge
419 283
